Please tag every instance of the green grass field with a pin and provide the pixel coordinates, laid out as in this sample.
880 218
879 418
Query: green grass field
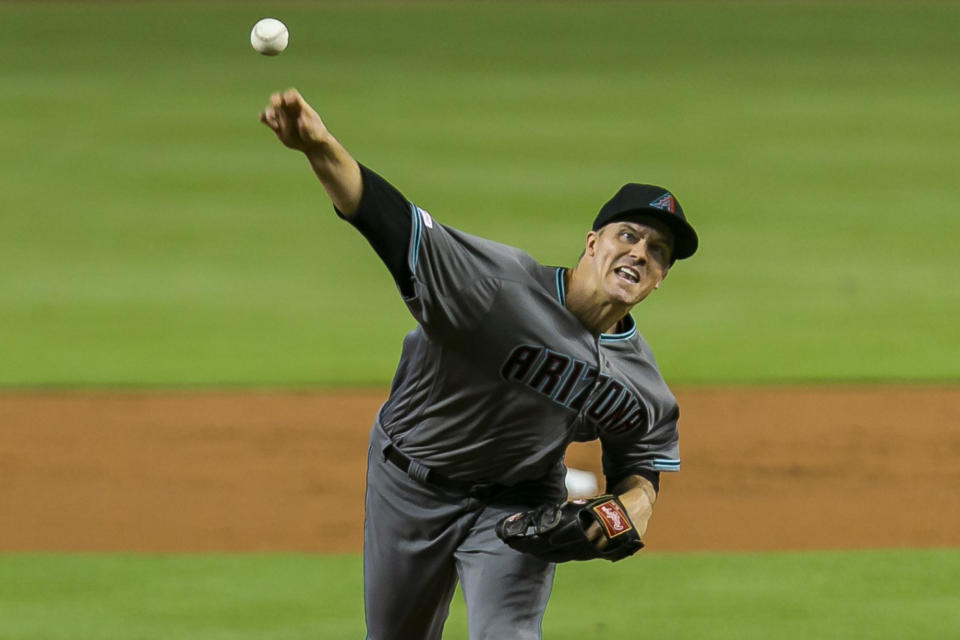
873 595
153 233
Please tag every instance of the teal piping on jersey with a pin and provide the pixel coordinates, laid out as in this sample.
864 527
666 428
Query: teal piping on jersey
623 335
417 229
604 337
561 287
666 464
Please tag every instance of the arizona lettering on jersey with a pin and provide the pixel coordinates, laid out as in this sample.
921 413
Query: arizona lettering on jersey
574 384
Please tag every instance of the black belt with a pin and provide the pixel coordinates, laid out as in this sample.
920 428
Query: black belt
424 474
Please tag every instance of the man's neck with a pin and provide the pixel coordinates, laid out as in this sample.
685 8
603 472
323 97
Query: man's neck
583 300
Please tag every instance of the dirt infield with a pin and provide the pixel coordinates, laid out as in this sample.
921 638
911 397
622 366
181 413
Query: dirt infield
762 469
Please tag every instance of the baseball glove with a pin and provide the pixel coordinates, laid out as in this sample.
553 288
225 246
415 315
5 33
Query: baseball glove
558 533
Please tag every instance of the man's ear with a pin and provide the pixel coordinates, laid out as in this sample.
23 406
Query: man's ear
590 247
665 272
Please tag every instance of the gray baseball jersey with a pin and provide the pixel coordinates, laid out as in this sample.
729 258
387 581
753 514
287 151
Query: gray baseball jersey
493 384
499 376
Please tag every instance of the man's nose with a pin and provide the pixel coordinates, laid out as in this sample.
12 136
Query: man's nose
639 252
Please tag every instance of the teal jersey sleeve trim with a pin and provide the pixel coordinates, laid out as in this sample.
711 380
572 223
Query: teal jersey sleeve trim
666 464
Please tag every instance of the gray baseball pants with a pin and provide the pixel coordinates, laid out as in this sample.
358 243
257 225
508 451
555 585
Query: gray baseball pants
418 540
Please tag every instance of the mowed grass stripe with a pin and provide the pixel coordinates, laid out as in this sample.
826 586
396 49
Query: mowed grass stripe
859 594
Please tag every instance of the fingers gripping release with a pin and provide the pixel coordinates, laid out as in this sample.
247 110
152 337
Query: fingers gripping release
558 532
295 123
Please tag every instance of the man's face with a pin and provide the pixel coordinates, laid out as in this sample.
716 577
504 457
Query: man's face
630 258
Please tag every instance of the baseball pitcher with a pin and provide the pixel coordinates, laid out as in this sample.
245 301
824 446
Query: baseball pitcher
510 361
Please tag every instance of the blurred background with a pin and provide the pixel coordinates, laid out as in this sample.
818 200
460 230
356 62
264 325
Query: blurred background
152 232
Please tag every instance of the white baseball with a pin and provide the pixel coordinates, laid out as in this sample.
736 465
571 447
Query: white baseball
269 36
580 484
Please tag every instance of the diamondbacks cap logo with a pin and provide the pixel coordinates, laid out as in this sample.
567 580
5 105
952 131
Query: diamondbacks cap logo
664 203
612 517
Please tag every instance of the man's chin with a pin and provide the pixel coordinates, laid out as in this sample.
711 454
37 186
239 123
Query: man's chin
627 296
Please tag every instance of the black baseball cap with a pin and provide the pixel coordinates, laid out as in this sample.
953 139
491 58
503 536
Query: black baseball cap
656 202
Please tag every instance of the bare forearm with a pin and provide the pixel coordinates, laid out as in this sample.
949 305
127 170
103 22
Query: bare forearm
638 496
339 174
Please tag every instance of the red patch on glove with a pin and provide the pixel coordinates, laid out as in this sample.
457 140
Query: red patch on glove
612 517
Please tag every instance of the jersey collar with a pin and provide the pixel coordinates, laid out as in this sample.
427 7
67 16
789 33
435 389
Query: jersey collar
628 321
626 334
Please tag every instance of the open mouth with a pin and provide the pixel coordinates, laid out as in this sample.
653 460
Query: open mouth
627 273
